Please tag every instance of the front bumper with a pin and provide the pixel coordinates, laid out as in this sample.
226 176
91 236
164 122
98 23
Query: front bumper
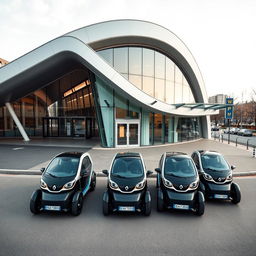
180 201
217 191
133 202
57 201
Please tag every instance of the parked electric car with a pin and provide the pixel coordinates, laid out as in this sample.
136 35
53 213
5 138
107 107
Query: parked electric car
216 176
64 183
177 184
127 185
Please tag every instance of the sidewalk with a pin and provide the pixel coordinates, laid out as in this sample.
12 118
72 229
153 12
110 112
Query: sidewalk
30 157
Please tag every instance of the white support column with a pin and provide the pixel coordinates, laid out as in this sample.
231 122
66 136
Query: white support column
17 121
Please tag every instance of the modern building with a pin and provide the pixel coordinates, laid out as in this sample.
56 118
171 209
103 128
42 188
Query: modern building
126 82
219 99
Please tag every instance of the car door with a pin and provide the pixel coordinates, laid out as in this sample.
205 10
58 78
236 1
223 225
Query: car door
85 171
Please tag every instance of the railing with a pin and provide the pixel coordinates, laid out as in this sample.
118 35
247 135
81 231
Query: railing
248 143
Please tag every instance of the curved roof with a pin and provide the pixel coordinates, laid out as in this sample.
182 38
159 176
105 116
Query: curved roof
78 48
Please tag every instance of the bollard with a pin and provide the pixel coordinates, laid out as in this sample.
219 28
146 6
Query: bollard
253 152
236 141
247 144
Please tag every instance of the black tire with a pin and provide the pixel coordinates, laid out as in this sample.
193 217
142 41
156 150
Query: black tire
160 200
105 204
35 201
147 204
202 188
93 182
77 204
235 193
200 204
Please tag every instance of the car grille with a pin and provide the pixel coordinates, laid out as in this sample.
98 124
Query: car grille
124 188
58 188
181 187
220 179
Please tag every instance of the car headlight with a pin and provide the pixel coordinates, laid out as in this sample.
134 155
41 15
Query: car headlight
167 183
43 184
194 185
207 176
229 177
70 184
113 185
140 185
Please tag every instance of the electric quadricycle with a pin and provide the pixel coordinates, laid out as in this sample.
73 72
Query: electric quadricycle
216 176
177 184
127 185
64 183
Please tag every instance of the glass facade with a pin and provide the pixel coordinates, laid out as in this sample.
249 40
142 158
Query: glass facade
150 71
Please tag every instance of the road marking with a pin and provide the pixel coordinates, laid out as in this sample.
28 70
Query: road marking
18 148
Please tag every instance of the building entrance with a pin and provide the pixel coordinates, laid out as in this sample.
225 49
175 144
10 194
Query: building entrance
127 133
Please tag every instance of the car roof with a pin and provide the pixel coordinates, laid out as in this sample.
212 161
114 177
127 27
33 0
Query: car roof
180 154
127 154
71 154
212 152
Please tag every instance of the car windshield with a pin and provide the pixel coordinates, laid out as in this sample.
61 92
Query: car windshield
63 167
179 166
214 162
127 167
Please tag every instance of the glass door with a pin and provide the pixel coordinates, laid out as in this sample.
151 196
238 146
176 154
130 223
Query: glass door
127 133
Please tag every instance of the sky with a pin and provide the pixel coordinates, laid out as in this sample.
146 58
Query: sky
221 34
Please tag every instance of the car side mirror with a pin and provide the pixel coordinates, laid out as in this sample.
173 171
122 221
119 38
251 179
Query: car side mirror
158 170
105 172
233 167
149 173
42 169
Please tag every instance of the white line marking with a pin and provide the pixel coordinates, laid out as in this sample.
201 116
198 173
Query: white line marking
17 148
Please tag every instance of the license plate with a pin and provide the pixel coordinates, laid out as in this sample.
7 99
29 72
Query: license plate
181 206
126 208
218 196
52 208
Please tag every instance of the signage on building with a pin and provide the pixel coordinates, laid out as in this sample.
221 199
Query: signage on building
229 109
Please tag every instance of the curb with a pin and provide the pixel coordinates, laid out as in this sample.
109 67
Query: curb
100 174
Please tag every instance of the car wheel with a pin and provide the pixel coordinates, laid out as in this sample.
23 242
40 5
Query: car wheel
200 204
93 182
235 193
147 206
105 204
160 200
35 201
202 188
77 203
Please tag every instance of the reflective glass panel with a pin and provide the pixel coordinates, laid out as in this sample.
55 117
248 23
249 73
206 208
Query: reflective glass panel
107 55
148 62
136 80
148 85
159 65
160 89
121 59
135 60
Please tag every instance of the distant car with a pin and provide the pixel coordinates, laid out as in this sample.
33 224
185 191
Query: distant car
226 131
64 183
234 130
216 176
245 132
127 185
215 128
177 184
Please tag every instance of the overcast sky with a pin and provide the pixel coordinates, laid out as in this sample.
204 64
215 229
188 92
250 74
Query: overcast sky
221 34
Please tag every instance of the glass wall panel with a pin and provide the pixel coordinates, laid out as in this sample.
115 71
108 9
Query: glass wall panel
107 55
148 85
135 60
121 59
136 80
158 128
170 66
159 65
148 62
160 89
170 93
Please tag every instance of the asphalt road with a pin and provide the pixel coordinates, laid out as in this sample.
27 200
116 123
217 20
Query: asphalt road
224 229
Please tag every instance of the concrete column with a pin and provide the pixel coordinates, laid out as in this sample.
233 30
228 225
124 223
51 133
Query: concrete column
175 133
17 121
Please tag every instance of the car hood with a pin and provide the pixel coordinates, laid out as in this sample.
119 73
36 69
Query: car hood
218 174
59 182
180 183
129 182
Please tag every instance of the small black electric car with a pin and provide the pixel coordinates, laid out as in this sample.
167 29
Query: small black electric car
127 185
177 184
64 183
216 176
